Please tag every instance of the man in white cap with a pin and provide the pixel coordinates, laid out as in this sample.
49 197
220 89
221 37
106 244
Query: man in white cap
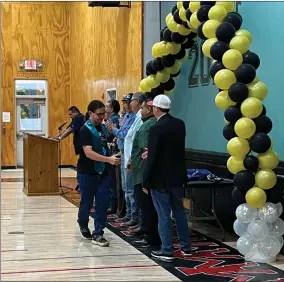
165 176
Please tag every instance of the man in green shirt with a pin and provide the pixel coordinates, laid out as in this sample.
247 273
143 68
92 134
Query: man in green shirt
149 219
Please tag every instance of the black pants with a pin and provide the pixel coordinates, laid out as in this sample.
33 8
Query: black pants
149 218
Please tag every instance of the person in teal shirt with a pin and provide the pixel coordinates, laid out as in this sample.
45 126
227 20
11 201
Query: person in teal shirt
148 222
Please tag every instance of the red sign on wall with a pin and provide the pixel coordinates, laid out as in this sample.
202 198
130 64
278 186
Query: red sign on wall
30 65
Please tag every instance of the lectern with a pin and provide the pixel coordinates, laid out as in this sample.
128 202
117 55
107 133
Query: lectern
40 165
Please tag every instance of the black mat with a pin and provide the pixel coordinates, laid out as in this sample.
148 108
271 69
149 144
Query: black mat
210 260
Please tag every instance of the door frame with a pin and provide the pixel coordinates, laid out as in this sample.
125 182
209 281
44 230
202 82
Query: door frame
31 97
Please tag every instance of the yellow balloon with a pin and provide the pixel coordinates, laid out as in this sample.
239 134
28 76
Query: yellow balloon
183 30
259 90
209 28
245 127
174 69
152 81
234 165
224 79
172 25
245 33
155 53
161 49
272 143
194 20
265 179
240 43
251 107
217 13
232 59
181 13
255 81
173 48
144 86
168 17
238 147
163 76
223 101
194 6
229 6
169 92
179 4
268 160
207 45
256 197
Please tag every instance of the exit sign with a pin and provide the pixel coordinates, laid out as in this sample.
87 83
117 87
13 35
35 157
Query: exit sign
30 65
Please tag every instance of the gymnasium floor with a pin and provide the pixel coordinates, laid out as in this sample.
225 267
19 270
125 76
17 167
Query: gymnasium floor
40 241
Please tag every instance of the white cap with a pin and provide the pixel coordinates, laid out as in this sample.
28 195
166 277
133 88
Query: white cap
161 101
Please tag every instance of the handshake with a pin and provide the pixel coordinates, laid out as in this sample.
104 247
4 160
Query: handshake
115 159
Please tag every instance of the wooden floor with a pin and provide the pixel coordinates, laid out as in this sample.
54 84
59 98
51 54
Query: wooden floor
40 241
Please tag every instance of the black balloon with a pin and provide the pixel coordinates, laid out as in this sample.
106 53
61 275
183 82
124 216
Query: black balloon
150 69
176 17
162 34
167 35
185 4
263 124
251 163
260 142
245 73
188 44
156 91
218 49
238 92
168 61
192 35
157 64
185 24
188 14
200 32
244 180
169 85
215 67
177 38
229 131
275 195
263 113
180 55
252 59
210 3
174 9
238 15
232 114
225 32
234 19
202 13
175 74
238 196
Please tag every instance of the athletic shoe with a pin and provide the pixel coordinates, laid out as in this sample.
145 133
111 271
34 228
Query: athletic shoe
122 219
128 223
186 253
160 255
85 233
100 241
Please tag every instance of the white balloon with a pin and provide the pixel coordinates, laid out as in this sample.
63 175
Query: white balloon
258 229
245 213
240 228
246 245
268 213
281 241
277 228
279 208
269 247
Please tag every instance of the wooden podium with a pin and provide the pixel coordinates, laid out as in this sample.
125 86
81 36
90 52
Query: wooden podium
40 165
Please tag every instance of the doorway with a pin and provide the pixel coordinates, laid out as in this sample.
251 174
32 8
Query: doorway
31 112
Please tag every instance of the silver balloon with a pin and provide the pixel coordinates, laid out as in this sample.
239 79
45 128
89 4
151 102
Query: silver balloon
279 208
281 241
268 213
258 230
277 228
240 228
245 213
269 247
246 245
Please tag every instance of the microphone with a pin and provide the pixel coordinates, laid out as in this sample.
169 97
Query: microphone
60 127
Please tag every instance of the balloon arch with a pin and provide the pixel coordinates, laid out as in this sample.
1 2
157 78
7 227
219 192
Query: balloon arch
241 93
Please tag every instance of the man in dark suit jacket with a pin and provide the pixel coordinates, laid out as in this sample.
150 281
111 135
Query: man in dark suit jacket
165 176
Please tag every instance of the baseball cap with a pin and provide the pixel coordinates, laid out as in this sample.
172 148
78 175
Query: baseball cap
127 98
161 101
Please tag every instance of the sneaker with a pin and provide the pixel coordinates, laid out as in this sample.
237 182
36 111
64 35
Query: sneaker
85 233
186 253
101 241
122 219
128 223
162 256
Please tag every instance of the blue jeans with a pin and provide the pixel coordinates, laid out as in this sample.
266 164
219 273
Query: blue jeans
113 193
164 203
128 188
98 187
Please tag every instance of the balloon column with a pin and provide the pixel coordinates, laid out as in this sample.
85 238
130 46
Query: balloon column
240 95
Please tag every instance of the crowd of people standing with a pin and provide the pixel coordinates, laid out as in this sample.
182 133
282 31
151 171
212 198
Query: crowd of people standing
151 154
